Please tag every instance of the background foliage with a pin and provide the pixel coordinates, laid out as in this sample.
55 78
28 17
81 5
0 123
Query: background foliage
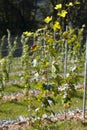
21 15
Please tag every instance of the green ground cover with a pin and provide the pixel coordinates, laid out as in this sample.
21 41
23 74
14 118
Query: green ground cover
13 109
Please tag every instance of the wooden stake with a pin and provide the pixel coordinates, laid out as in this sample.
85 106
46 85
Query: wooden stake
85 84
65 58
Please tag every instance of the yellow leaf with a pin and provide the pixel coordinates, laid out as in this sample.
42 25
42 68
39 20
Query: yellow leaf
58 6
50 40
70 4
83 26
34 48
71 31
65 34
2 61
48 19
77 2
28 34
47 64
56 26
63 13
67 105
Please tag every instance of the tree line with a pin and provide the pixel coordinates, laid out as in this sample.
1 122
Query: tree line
22 15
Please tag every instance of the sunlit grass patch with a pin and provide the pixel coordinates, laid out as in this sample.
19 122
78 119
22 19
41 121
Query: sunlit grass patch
13 109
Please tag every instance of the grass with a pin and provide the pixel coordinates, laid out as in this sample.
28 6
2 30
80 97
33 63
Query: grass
76 102
13 88
14 77
66 125
13 109
69 125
